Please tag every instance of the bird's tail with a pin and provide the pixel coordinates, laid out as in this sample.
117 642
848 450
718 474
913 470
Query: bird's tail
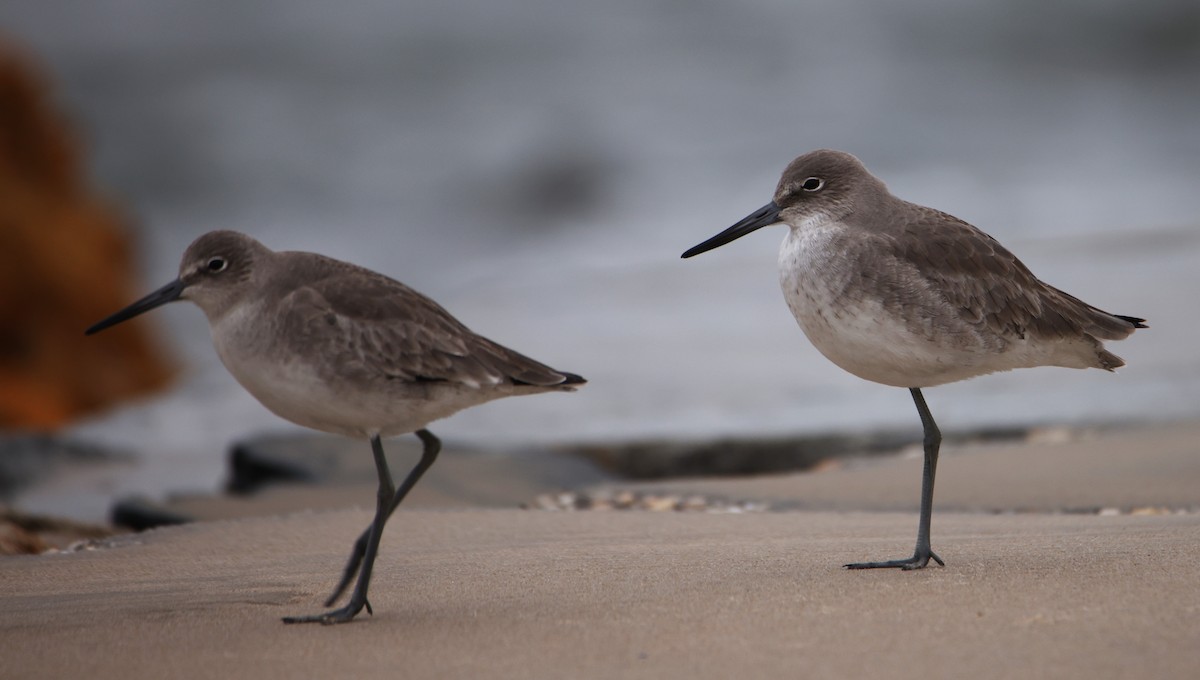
1108 360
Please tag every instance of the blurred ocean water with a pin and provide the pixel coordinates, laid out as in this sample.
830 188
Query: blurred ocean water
537 167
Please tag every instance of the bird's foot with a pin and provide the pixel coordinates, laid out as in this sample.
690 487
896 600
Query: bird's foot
336 616
917 561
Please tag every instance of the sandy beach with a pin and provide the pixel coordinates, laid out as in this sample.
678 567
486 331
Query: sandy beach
538 168
1063 559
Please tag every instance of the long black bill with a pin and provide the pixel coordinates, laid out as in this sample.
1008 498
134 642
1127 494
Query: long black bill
763 217
168 293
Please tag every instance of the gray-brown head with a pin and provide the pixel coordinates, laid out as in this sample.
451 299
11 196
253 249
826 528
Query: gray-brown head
821 184
215 272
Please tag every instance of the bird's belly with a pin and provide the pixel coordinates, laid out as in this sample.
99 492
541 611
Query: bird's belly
300 396
862 339
298 391
857 323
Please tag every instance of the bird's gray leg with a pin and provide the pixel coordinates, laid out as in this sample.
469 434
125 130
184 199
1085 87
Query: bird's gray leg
383 499
923 552
432 447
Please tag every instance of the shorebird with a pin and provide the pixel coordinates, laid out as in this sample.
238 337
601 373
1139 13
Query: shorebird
908 296
338 348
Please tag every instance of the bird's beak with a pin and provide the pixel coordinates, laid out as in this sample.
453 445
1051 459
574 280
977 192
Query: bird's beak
168 293
763 217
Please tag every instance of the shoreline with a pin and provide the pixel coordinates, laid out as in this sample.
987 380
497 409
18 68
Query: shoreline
82 488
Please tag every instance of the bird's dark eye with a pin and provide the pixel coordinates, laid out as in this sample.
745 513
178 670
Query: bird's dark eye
813 184
217 264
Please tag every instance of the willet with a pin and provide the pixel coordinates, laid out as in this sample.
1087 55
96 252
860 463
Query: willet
339 348
908 296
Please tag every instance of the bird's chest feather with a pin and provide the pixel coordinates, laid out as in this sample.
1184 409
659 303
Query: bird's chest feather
251 350
826 287
850 305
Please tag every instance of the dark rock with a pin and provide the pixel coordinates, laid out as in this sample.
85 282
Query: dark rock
730 457
461 472
251 468
140 514
299 458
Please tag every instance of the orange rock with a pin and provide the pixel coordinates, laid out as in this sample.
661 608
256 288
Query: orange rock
65 262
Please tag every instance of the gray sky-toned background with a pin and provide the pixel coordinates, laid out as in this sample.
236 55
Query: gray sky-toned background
538 166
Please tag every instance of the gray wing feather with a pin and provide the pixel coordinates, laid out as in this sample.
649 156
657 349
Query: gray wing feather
377 327
989 286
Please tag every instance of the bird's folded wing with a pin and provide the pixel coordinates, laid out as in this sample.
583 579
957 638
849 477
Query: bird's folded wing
988 285
383 329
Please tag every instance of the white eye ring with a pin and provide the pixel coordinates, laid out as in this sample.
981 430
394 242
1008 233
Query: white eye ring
813 184
217 264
